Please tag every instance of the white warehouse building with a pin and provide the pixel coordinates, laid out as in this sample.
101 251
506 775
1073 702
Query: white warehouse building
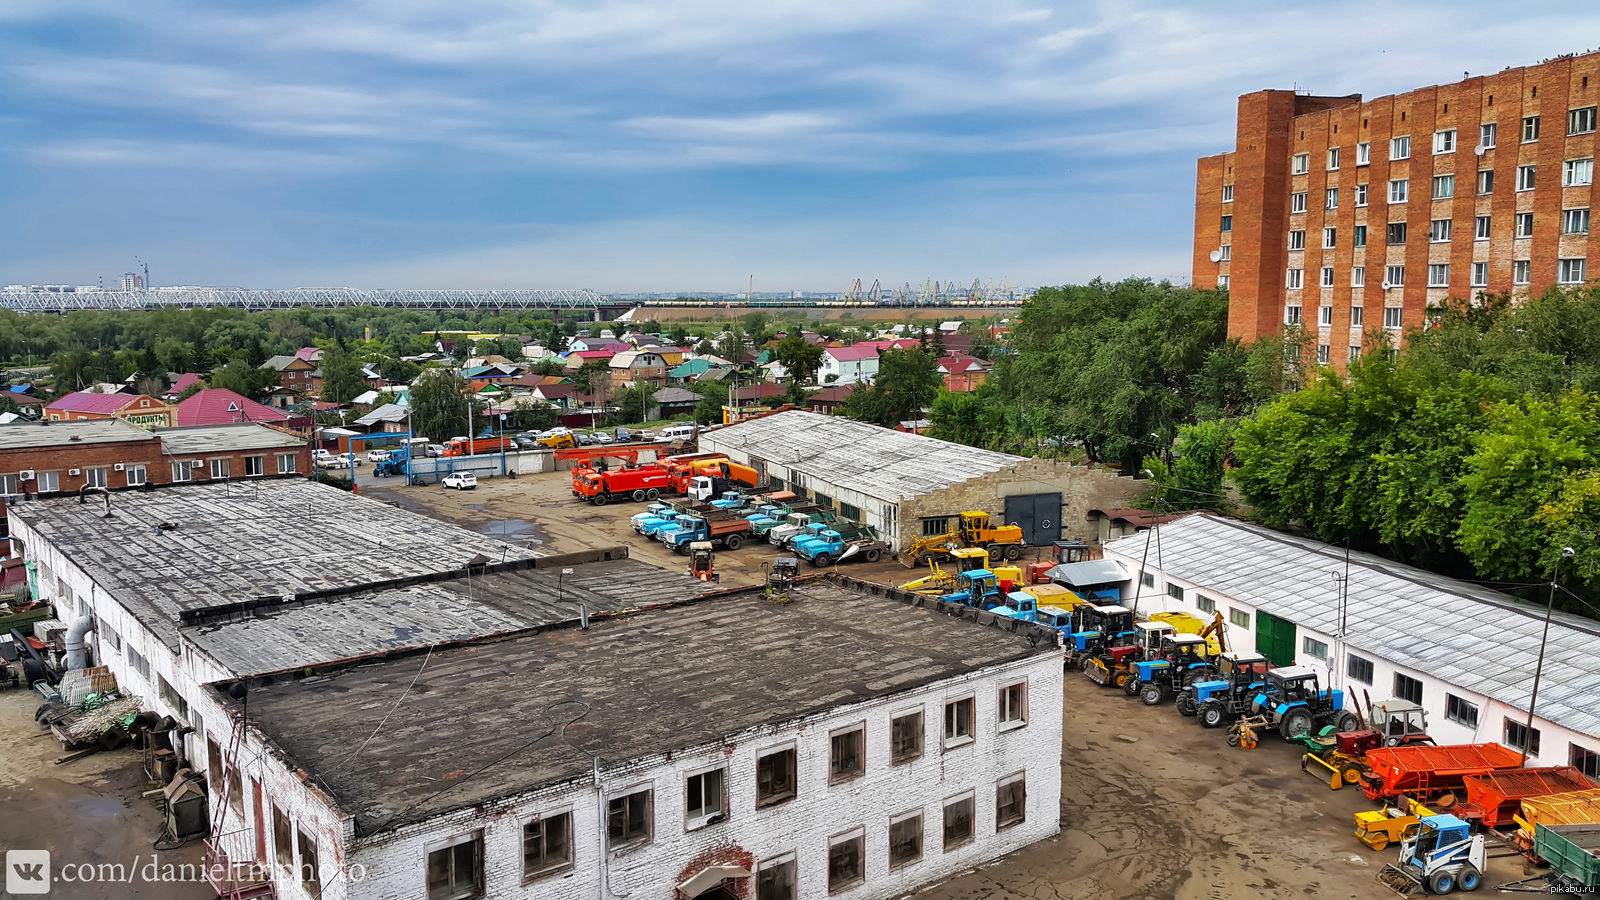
1467 654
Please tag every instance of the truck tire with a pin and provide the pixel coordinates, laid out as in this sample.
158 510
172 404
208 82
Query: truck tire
1014 552
734 541
1185 705
652 495
996 553
821 560
638 496
1347 721
872 556
1210 714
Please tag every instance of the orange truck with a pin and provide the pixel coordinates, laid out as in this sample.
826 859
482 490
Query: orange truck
681 470
639 483
472 446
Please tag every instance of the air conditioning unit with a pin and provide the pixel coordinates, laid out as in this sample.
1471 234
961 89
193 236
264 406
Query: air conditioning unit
74 471
119 467
25 475
196 463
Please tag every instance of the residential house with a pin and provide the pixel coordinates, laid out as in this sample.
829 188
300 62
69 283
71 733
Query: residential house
300 371
110 453
587 344
674 401
390 417
184 382
280 397
632 367
848 365
962 373
220 406
559 394
830 400
688 371
137 409
753 394
672 355
26 397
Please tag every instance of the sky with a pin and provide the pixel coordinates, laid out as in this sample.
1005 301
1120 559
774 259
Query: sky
662 145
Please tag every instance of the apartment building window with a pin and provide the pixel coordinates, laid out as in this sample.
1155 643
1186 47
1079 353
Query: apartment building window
1359 669
1460 711
1480 228
310 870
1327 276
1524 225
1227 224
1407 688
776 880
703 799
1314 648
455 870
1239 617
1575 221
1585 759
1297 202
845 870
546 844
1519 737
1302 163
1485 182
1010 801
957 821
1291 315
1439 231
1530 129
905 738
905 839
958 723
1222 282
136 474
1438 275
1397 233
1525 177
1227 193
1444 187
628 818
1521 271
1486 135
1324 317
1399 190
1331 199
1358 276
1480 274
1354 353
97 477
1444 141
219 467
1400 148
182 471
1581 121
1297 240
1357 314
139 663
1359 239
1391 317
1322 354
1295 281
1577 172
844 753
1227 252
50 482
1363 153
1330 237
1205 604
286 463
1013 710
1572 271
775 777
255 465
1361 194
1333 158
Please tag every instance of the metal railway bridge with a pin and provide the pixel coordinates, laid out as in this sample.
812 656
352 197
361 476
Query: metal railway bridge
588 303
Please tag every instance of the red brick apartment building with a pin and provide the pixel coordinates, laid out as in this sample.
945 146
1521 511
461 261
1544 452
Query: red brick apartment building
1348 215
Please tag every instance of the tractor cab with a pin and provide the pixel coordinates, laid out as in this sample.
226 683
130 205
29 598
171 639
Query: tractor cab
1071 551
974 588
702 562
1148 637
1294 702
968 558
1055 617
1242 666
1295 683
1019 606
1399 722
1101 626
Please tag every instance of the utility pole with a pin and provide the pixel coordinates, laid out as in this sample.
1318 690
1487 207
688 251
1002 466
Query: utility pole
1538 672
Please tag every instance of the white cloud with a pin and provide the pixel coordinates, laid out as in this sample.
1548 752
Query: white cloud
179 155
767 125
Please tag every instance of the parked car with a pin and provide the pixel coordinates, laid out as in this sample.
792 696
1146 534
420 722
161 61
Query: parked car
377 456
644 435
461 481
600 437
435 450
671 433
584 439
623 435
526 441
333 462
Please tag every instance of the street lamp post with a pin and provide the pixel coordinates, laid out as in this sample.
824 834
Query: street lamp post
1538 672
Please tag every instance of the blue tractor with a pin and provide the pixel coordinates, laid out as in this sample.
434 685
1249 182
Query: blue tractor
1180 661
1293 702
976 588
1241 676
1096 629
393 464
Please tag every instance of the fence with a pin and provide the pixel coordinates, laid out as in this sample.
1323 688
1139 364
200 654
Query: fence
430 470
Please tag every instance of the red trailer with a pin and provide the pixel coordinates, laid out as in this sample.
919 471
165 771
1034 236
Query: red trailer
638 482
1495 798
1433 775
472 446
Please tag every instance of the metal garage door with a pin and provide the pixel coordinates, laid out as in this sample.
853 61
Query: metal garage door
1038 514
1275 639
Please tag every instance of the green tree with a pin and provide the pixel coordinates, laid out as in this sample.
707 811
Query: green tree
555 340
907 381
242 378
1195 478
398 371
734 345
342 378
713 397
633 403
8 405
439 406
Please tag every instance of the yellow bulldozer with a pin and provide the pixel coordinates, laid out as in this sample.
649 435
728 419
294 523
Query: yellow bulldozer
975 530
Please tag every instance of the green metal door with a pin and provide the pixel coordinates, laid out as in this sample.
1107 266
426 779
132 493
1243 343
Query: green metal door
1275 639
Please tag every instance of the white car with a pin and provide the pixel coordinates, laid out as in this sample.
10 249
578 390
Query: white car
600 437
461 481
334 462
377 456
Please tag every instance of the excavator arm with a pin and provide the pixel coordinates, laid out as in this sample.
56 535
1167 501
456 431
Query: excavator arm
1219 629
913 554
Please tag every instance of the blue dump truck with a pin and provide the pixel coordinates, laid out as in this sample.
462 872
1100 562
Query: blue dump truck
826 546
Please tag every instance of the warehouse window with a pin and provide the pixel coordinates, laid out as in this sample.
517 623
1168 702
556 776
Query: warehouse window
255 465
905 839
935 525
824 500
1516 735
455 870
97 477
139 663
844 753
957 821
1010 801
1205 604
1314 648
1585 759
546 844
1175 591
1148 579
845 852
628 818
905 738
282 846
1407 688
958 723
776 879
775 777
703 799
181 472
849 511
1460 711
1239 617
173 699
1359 669
310 872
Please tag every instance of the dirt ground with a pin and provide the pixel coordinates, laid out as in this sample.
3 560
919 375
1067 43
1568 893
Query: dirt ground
84 812
1153 806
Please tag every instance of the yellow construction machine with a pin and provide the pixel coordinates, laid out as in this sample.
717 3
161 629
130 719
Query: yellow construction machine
942 581
1378 828
975 531
1186 623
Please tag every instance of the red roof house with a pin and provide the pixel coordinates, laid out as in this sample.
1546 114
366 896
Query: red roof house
184 381
963 373
138 409
220 406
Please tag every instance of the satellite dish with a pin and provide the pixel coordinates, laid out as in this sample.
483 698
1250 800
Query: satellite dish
1479 149
1387 285
1216 255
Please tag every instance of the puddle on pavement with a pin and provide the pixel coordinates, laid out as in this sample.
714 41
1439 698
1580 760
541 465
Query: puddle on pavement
95 806
512 530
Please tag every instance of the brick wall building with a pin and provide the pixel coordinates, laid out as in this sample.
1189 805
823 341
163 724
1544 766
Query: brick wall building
1351 216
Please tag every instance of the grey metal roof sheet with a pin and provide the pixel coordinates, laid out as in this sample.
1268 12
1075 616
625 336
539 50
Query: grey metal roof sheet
1468 635
51 434
1088 572
867 459
225 438
243 541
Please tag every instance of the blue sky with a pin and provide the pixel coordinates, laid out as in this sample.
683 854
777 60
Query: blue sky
665 144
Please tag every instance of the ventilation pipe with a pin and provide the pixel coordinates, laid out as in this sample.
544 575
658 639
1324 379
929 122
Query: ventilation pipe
77 653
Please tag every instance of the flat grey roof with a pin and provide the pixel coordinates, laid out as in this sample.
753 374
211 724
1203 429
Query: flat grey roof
867 459
519 713
370 622
196 439
1462 633
51 434
1089 572
238 541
